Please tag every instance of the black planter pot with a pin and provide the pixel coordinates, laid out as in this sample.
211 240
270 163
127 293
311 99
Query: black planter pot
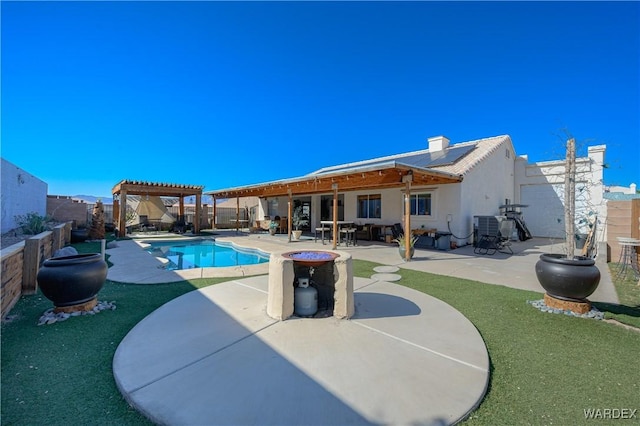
72 280
79 235
567 279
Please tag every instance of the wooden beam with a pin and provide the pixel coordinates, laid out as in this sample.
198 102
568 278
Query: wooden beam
335 215
370 180
215 213
198 213
237 213
407 217
122 227
289 214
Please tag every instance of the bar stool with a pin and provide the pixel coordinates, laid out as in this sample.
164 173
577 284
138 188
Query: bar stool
321 230
349 236
628 257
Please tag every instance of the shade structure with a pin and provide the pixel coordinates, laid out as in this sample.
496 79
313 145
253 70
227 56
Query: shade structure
153 208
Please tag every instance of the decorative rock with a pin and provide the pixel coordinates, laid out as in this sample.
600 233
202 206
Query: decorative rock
65 251
541 306
386 269
96 231
111 244
51 317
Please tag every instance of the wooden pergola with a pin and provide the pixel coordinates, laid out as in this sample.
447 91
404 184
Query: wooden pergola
129 187
382 176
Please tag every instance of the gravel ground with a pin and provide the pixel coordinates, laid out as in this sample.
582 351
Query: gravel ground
12 237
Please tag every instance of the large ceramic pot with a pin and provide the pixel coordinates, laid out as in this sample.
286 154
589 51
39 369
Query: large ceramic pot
403 252
567 279
79 235
72 280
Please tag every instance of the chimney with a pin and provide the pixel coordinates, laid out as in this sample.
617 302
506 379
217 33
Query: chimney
438 143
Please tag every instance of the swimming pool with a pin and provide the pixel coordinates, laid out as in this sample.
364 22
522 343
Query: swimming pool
204 254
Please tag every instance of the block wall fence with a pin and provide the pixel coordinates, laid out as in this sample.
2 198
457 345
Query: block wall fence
21 262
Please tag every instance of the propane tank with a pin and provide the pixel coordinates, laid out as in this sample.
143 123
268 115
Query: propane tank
305 299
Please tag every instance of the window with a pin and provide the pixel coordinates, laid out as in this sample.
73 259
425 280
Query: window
272 207
421 204
326 207
370 206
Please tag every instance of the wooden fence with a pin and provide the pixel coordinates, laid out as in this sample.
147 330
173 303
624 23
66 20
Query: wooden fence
623 220
21 262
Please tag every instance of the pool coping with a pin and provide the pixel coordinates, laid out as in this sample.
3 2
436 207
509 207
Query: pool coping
132 264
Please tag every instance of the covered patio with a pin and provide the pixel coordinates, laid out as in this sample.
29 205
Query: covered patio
385 175
149 189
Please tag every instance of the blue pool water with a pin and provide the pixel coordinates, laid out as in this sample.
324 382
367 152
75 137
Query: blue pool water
204 254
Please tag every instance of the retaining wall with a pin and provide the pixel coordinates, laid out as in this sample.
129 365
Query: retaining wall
21 262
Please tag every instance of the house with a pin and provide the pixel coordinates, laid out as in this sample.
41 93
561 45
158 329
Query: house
445 184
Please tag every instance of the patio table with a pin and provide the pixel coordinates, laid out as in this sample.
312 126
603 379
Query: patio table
339 223
628 257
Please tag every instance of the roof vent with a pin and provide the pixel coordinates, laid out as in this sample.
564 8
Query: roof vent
438 143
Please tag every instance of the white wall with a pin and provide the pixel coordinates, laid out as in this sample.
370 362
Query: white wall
20 193
541 186
485 188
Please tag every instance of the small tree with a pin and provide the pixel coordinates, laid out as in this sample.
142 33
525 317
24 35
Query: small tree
570 198
299 219
575 225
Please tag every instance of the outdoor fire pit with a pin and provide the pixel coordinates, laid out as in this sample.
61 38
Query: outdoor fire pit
329 272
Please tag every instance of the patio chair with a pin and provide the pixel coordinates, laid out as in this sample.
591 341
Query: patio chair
349 235
363 232
500 241
504 239
144 223
397 230
180 225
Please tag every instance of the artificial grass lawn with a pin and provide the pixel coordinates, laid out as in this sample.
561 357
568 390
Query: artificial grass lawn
545 368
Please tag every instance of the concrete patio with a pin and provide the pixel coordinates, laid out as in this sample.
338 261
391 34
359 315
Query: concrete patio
213 356
131 264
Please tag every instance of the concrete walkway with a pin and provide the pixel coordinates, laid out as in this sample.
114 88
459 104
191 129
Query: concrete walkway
133 265
213 356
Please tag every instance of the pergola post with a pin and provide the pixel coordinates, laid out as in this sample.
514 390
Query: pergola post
335 215
407 216
116 211
289 214
122 226
215 213
237 213
198 213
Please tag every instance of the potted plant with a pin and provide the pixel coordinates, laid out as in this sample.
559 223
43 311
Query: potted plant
273 227
568 277
401 240
298 219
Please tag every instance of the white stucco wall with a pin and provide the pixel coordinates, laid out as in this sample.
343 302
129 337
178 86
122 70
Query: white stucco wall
485 188
20 193
541 186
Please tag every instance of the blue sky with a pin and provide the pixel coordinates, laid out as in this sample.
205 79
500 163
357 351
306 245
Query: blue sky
223 94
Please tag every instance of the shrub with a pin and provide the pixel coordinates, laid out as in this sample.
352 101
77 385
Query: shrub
32 223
